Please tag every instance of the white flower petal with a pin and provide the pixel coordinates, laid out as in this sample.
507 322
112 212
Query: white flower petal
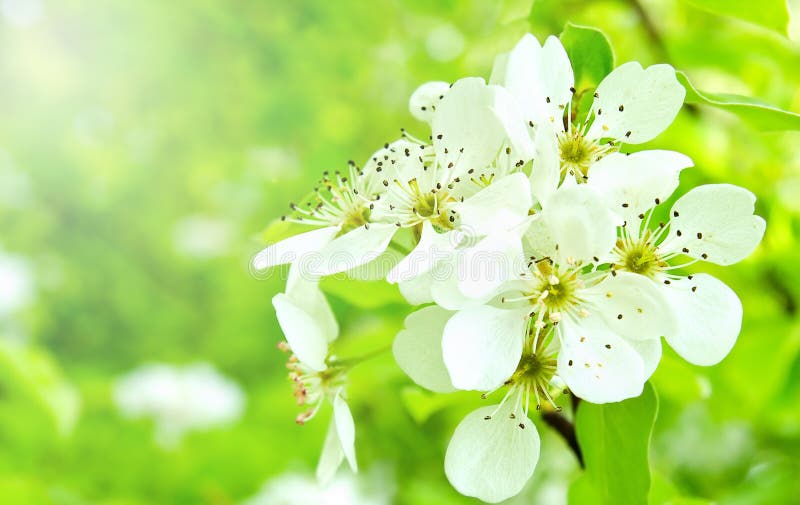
650 352
294 248
418 349
417 291
425 98
498 75
540 78
636 100
482 346
444 288
345 430
515 125
306 333
492 459
303 291
331 457
485 268
388 162
715 223
631 305
353 249
466 131
377 269
546 170
578 224
598 365
709 318
502 204
632 184
431 248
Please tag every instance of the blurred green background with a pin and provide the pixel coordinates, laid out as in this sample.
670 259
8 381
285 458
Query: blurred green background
144 145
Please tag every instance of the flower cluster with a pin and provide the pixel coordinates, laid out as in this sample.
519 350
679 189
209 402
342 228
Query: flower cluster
537 242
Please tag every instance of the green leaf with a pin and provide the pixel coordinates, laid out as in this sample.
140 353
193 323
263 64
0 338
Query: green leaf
758 114
772 14
615 440
362 294
421 404
35 378
589 52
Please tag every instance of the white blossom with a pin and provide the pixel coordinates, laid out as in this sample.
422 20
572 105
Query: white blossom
179 399
309 325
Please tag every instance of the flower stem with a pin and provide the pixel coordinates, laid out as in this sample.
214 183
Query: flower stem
351 362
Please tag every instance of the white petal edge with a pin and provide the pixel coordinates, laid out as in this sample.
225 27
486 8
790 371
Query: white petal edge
345 430
331 457
715 223
632 184
482 346
634 104
417 349
709 318
632 306
471 134
305 293
305 333
598 365
425 98
431 248
352 249
294 248
502 204
492 459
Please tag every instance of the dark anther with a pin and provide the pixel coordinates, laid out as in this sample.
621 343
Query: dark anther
699 235
628 133
621 108
619 316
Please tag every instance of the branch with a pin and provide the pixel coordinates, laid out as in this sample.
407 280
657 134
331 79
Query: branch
566 429
657 42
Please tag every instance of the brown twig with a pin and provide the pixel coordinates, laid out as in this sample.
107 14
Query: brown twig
566 429
656 41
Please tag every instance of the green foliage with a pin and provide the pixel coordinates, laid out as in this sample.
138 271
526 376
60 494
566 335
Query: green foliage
772 14
119 120
34 380
758 114
590 53
615 441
